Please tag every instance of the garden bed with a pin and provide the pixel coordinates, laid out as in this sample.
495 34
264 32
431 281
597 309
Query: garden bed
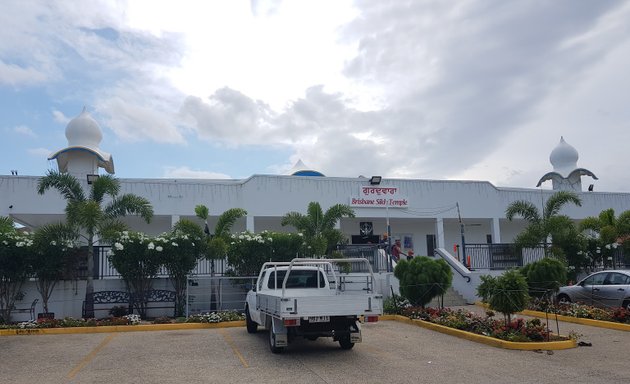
517 334
128 323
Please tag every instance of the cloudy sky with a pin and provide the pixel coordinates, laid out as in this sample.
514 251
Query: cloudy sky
475 89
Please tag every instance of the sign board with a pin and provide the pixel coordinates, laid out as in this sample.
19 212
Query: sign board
379 197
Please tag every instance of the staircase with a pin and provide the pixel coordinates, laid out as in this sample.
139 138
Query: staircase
451 299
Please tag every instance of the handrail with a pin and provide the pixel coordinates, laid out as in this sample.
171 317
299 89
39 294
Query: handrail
440 252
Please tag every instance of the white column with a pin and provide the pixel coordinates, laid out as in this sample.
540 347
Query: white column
439 232
249 223
174 220
496 230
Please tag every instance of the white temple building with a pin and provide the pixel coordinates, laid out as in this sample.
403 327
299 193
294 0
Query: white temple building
425 214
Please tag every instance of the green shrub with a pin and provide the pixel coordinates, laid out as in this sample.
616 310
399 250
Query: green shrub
423 279
506 293
545 276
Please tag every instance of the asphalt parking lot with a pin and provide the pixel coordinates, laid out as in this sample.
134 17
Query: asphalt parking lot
391 352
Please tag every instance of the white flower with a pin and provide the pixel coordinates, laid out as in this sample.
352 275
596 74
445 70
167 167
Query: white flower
159 248
174 244
151 245
53 242
118 246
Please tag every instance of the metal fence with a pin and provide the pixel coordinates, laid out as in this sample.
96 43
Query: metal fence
501 256
378 258
105 270
210 294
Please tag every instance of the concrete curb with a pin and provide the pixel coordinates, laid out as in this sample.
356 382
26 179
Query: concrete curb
120 328
579 320
529 346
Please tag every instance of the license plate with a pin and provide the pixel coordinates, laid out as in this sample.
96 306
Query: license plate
319 319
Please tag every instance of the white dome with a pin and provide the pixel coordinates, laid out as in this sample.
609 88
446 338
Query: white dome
83 130
564 157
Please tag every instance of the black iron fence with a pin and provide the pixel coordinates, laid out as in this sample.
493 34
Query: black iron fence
376 255
501 256
104 270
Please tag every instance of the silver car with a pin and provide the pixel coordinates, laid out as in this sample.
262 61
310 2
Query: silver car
600 289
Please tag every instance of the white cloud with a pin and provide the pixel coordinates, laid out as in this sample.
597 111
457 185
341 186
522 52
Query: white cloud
24 130
59 117
185 172
11 74
41 153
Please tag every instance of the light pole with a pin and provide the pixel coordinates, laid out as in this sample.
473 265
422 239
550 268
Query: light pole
461 228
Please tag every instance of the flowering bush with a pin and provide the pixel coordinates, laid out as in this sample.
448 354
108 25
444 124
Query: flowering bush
619 314
15 267
137 257
215 317
247 251
72 322
516 330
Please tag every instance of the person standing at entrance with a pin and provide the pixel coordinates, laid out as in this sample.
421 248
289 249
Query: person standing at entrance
396 250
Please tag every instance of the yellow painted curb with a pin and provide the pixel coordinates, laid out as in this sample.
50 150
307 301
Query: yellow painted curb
528 346
579 320
120 328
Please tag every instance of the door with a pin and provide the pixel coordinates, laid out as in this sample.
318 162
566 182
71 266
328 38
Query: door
615 289
431 245
589 288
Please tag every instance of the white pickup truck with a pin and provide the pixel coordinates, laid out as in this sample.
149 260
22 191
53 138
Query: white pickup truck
313 298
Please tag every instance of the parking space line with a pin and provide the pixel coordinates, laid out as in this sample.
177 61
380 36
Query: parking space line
228 339
90 356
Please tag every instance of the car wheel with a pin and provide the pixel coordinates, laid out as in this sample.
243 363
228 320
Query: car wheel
345 343
626 305
564 299
272 342
252 327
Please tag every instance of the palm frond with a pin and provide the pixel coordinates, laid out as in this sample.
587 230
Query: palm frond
591 223
524 209
110 229
558 200
65 183
6 224
316 215
104 185
202 212
336 212
58 231
189 228
227 219
129 204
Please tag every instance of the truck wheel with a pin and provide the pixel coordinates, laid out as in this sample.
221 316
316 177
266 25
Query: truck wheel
272 342
252 327
345 343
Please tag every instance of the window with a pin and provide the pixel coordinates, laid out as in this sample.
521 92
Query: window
297 279
597 279
616 279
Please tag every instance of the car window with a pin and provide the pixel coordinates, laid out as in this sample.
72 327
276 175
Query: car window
597 279
616 279
297 279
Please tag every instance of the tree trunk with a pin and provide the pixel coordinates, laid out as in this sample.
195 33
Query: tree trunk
89 286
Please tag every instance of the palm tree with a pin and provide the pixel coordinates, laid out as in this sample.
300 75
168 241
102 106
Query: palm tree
610 230
549 224
6 224
217 241
216 244
318 227
93 214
